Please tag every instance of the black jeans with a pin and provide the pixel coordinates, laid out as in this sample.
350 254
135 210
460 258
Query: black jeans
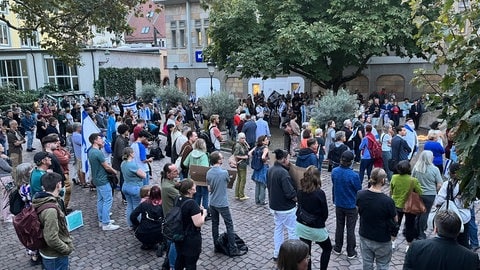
326 251
423 218
409 230
227 218
349 218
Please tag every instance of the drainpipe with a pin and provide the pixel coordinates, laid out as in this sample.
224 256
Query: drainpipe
34 69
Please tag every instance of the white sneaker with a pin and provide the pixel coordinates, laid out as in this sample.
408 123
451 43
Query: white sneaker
406 249
393 245
100 224
110 227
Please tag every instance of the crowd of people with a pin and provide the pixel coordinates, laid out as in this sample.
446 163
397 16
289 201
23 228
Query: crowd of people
124 150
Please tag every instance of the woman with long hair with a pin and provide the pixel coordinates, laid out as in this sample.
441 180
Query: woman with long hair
133 180
259 176
199 157
399 191
149 229
193 217
431 181
240 151
312 200
437 149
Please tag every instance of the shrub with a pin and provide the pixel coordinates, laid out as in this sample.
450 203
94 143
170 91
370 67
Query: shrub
170 96
337 107
122 80
149 92
221 103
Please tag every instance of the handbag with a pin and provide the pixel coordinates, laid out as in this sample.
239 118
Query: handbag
113 180
232 161
414 204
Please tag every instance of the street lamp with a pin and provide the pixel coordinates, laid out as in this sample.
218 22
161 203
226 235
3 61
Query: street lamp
175 68
211 70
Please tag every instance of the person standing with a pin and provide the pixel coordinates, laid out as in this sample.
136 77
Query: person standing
186 149
312 199
133 176
250 130
442 251
52 219
6 186
294 135
307 156
282 198
437 149
411 137
321 147
262 126
15 141
400 148
416 111
28 123
141 154
377 218
259 176
366 162
217 180
77 149
100 169
240 151
121 142
214 131
431 181
399 190
346 184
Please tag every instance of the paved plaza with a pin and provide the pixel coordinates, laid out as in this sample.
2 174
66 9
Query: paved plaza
97 249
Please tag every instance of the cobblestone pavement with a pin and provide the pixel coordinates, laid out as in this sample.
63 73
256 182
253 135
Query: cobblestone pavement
97 249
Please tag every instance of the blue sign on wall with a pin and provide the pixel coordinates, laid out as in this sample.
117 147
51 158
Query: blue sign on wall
198 56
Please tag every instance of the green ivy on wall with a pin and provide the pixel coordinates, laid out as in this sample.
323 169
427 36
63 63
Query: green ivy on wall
122 80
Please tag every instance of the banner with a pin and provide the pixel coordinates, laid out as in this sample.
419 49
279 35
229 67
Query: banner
88 127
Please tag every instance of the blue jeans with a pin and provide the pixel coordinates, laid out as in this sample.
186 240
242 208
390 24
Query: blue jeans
260 192
473 229
202 196
348 218
146 180
132 195
59 263
104 203
365 164
381 252
287 220
172 254
227 218
29 135
386 156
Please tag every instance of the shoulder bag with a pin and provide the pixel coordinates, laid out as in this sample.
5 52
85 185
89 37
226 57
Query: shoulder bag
414 204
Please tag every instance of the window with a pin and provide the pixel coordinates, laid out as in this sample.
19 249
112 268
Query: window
181 26
65 77
4 35
4 6
145 29
173 27
32 41
198 32
14 72
206 23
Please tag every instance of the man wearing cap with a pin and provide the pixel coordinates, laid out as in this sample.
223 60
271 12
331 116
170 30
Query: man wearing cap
29 123
346 184
42 162
262 126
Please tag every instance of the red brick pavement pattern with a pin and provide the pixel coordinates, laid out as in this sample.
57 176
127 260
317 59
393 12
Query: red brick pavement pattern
96 249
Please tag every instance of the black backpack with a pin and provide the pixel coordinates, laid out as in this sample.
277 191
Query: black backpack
16 202
173 224
208 141
221 245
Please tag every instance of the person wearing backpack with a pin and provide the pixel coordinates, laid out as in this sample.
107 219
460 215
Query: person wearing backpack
193 217
259 164
214 131
59 243
366 162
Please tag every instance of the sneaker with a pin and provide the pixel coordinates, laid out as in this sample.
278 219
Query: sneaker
110 227
100 224
274 259
406 249
338 252
237 198
353 256
244 198
394 245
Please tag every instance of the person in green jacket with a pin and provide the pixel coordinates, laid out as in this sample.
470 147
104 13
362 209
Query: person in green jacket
199 157
399 190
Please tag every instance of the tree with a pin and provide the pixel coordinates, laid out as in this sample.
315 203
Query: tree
65 24
171 96
221 103
451 34
317 39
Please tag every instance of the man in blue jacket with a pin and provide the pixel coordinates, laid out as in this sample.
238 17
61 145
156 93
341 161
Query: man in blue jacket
346 184
307 156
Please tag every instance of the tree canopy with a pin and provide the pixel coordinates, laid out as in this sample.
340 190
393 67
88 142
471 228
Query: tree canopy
65 25
317 39
450 31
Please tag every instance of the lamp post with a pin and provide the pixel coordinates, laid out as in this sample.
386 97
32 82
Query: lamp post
175 68
211 71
